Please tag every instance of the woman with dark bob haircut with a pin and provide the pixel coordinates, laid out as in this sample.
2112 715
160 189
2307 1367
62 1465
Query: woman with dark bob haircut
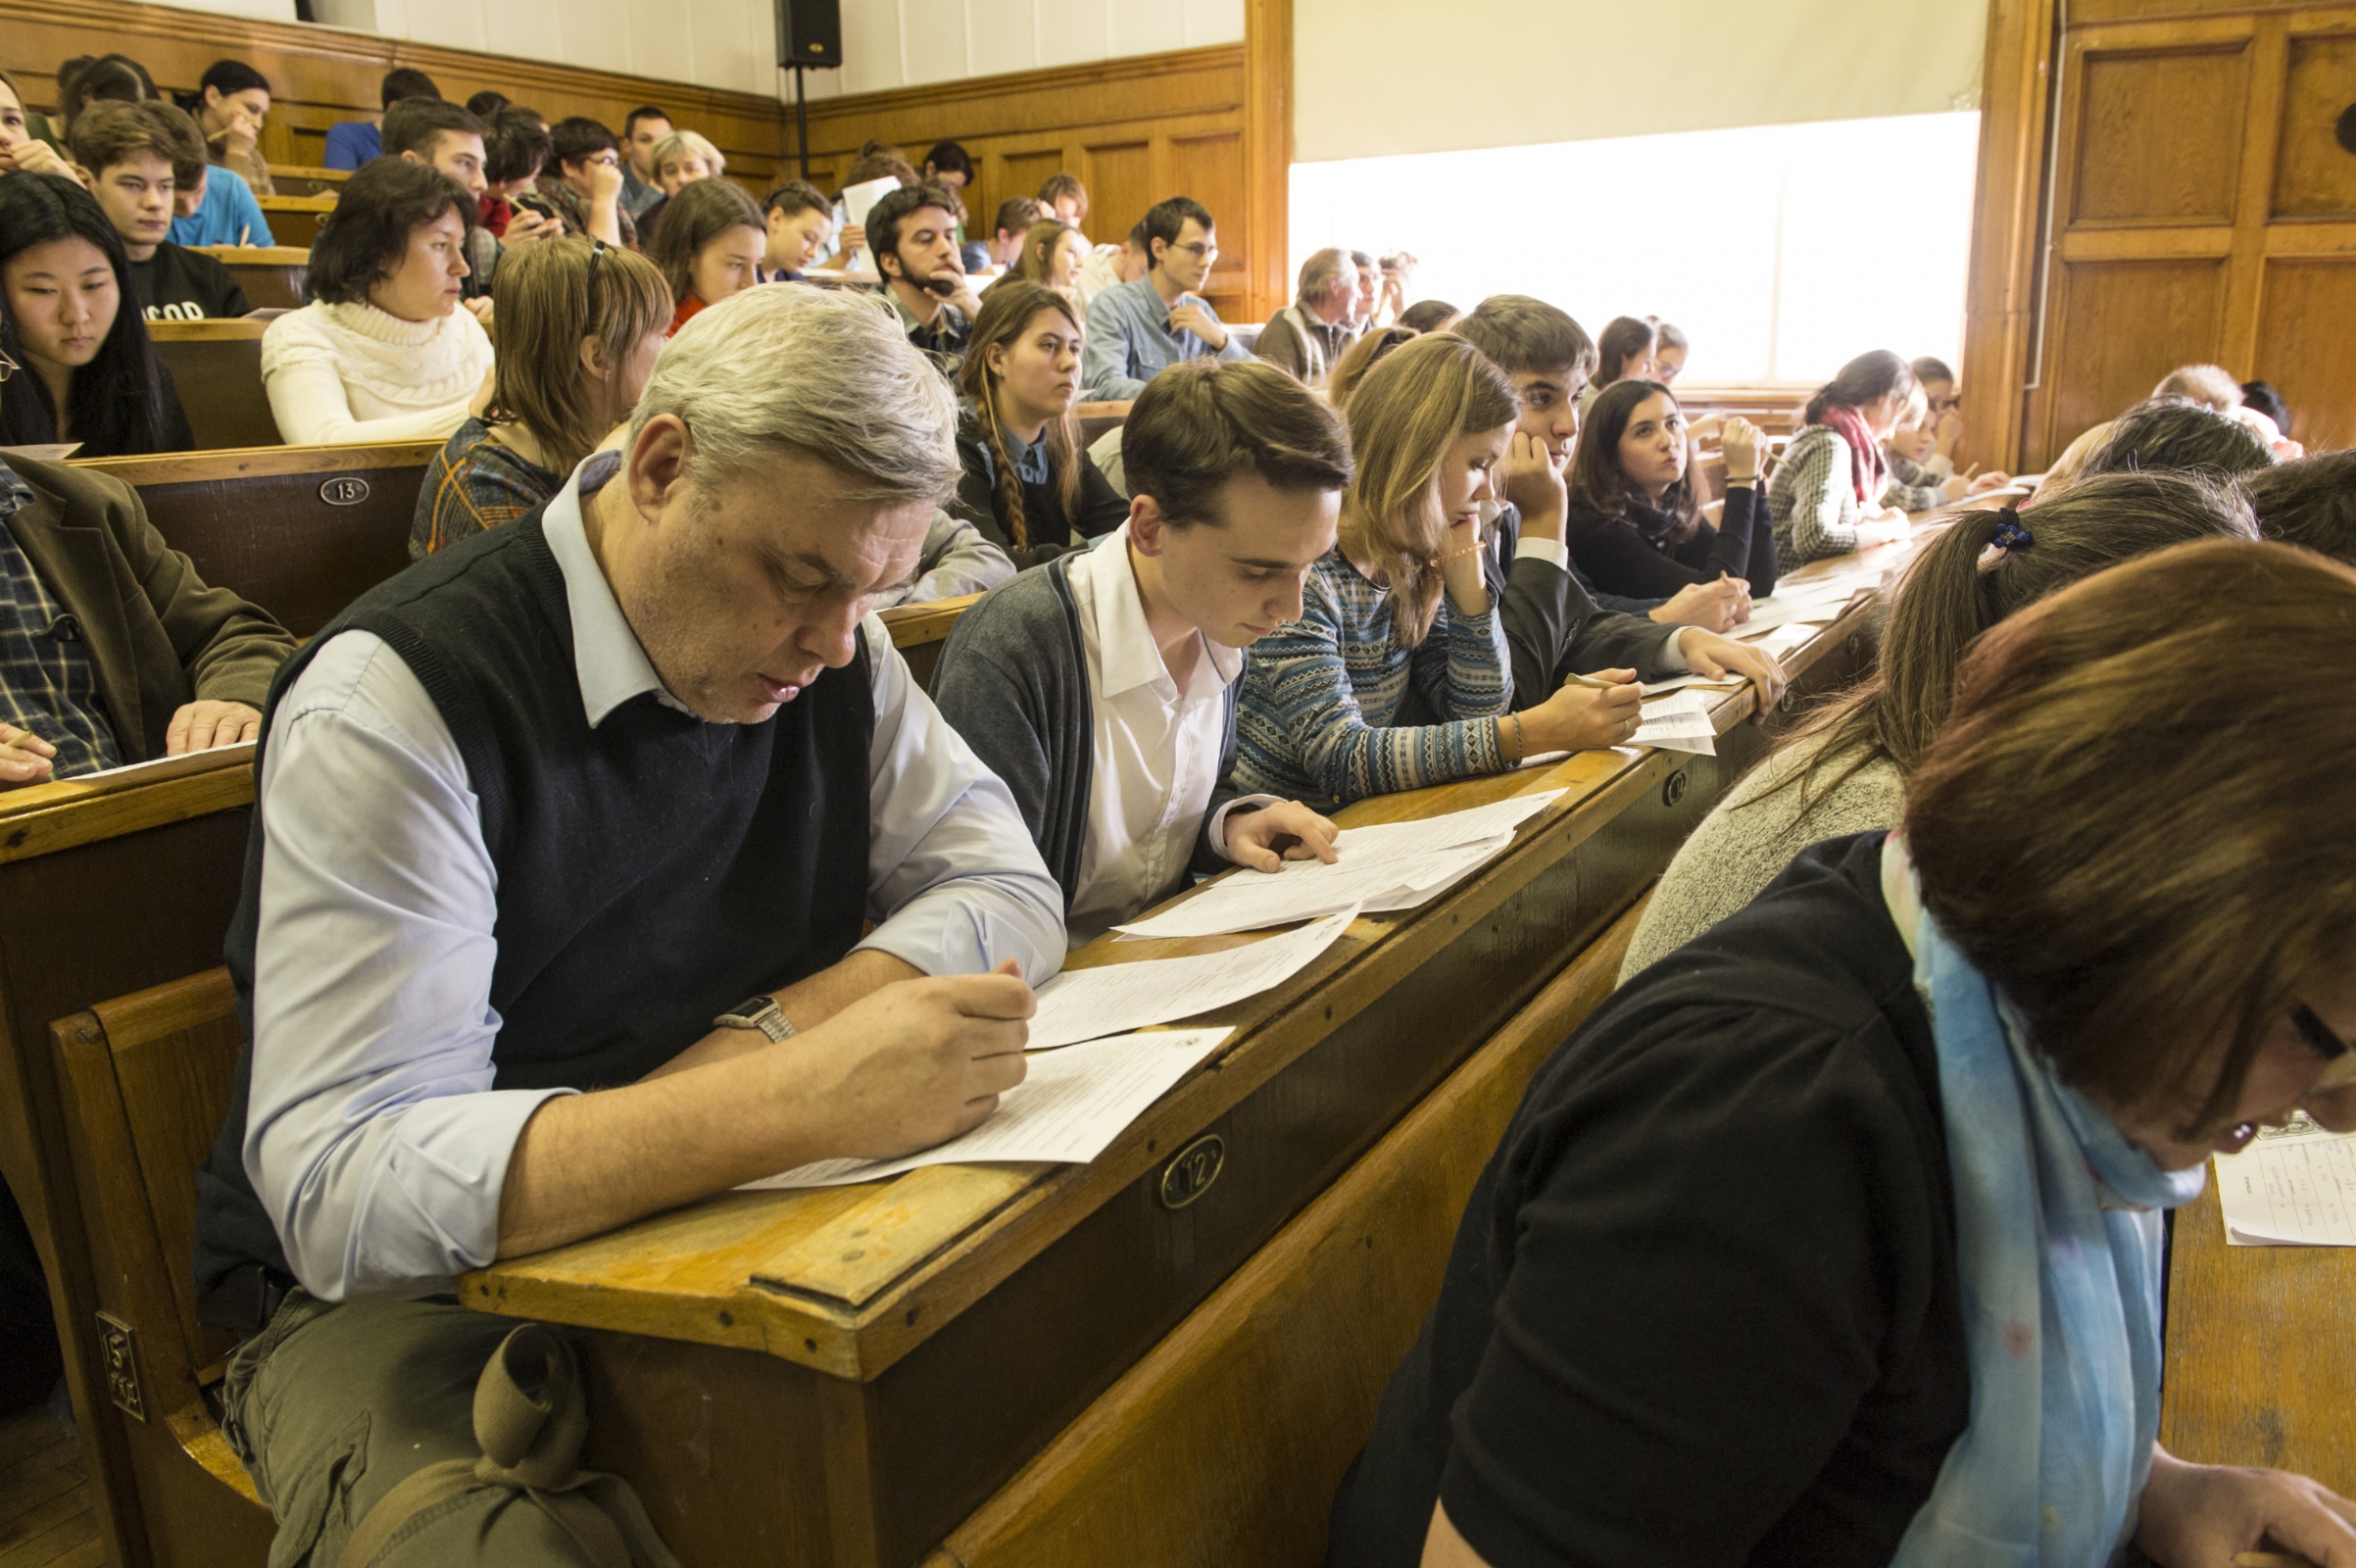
69 318
383 351
1856 1216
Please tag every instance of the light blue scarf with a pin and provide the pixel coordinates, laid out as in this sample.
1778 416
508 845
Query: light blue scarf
2057 1240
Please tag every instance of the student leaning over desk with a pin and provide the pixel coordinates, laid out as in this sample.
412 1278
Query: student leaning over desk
557 911
1841 1243
1844 768
1102 686
1403 602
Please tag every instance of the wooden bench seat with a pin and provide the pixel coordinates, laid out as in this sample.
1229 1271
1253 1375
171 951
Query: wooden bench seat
216 367
272 275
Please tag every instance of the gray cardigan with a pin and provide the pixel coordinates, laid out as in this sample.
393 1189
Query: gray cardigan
1751 835
1013 682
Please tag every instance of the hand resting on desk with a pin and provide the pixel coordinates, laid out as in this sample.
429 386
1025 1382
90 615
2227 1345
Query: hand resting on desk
200 726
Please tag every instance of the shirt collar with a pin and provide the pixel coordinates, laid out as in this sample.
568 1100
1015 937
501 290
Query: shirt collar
15 494
1124 641
1030 459
607 659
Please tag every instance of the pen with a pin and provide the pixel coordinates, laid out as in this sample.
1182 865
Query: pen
1590 680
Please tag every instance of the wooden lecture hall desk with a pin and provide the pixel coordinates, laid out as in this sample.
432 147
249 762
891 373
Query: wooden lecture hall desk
842 1376
102 892
272 275
2261 1348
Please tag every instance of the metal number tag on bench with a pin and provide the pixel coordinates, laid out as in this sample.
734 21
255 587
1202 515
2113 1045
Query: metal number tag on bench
344 490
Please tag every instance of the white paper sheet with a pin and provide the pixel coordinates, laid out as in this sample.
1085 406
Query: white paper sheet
1070 1108
1724 683
1118 997
158 769
858 201
1680 723
1384 867
2294 1186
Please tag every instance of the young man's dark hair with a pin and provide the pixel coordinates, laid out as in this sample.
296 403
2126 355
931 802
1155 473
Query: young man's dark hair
948 158
2263 395
886 215
1165 220
629 123
1525 336
2308 501
1200 423
2179 435
1018 215
795 196
411 124
515 146
369 231
487 105
882 164
577 138
406 82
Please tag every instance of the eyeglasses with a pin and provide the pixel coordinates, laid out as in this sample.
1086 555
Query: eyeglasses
8 366
2339 1058
597 258
1199 248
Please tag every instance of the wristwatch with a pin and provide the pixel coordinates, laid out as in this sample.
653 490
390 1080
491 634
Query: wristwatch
757 1012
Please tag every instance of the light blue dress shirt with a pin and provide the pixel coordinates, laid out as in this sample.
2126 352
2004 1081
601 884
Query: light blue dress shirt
375 1138
229 215
1130 341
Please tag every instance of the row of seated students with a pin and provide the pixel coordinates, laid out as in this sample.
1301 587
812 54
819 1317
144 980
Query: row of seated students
1717 1241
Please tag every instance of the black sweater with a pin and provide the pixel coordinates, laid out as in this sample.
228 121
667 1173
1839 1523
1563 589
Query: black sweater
1626 555
1703 1308
1049 532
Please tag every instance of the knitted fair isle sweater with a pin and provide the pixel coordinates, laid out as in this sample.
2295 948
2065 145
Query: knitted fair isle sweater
1322 695
344 373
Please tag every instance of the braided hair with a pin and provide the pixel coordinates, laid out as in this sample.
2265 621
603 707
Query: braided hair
1008 312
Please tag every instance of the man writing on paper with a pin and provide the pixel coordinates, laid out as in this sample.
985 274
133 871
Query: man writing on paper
111 649
564 844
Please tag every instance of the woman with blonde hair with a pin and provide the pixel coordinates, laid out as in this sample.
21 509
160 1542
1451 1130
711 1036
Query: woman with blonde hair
578 325
1052 253
1028 486
1370 350
1402 602
710 245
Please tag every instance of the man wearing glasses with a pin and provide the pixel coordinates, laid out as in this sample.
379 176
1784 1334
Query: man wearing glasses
565 845
1136 330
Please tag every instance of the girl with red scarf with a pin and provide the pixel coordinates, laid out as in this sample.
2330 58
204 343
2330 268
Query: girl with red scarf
1825 499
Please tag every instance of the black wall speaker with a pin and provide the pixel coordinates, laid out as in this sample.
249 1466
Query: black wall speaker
809 32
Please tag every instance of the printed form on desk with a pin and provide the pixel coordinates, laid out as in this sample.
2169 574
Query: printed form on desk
1116 997
1389 865
1069 1108
2294 1185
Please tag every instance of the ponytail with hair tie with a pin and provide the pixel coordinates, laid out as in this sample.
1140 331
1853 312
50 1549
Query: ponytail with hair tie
2009 534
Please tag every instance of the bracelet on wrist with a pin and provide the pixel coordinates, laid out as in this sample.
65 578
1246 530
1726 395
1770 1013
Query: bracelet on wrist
1457 555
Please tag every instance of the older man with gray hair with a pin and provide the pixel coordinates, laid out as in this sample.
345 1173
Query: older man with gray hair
553 918
1307 336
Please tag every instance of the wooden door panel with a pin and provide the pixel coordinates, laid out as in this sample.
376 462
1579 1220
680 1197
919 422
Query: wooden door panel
2121 326
1120 186
2160 134
1210 170
1021 174
2314 175
2303 314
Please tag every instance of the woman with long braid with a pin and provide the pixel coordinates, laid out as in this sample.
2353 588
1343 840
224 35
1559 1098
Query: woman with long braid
1029 485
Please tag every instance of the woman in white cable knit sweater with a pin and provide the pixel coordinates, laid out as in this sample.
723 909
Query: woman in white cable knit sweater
384 352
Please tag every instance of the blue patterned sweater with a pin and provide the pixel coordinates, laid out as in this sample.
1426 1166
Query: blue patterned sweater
1320 694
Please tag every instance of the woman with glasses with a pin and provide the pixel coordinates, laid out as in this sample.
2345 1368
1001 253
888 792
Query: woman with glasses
579 326
382 353
1838 1241
72 348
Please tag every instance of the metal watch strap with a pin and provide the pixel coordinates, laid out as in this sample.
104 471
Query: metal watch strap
757 1012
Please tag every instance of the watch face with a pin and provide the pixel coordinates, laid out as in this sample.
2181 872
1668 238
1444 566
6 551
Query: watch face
752 1007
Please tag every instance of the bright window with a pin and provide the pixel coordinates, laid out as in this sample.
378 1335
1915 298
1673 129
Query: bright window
1780 250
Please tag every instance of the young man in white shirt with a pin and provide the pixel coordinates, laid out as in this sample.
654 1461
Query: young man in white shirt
1102 686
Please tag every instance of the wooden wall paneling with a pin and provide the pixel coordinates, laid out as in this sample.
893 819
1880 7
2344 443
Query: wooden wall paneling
1209 167
319 76
2315 178
1119 169
2118 328
2146 148
2261 136
1268 151
1021 172
2000 298
2302 344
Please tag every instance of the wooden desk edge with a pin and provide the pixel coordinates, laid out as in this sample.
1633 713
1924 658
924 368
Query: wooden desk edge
255 462
48 818
859 1337
913 625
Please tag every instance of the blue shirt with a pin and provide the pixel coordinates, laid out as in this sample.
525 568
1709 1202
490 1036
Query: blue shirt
48 683
352 143
1130 341
229 215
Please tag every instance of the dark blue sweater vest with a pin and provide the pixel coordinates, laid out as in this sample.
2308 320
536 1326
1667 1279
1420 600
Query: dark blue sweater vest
652 871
